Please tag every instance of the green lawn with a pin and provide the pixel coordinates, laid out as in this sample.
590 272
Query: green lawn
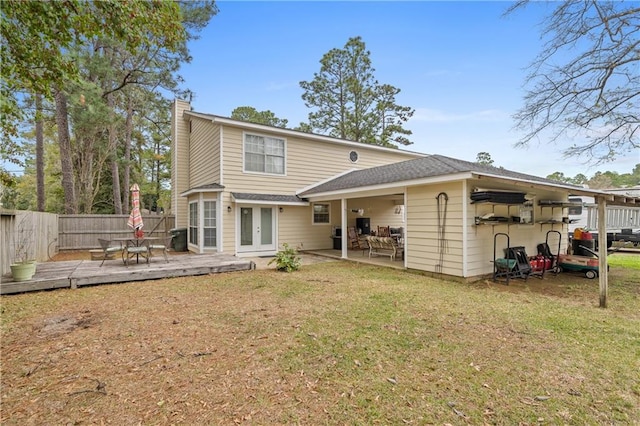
334 343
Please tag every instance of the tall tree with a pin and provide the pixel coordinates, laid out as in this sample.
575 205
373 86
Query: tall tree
391 117
112 83
252 115
36 37
66 163
39 154
559 177
484 158
585 82
349 102
601 181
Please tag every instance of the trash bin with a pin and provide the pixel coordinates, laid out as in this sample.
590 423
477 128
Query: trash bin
179 241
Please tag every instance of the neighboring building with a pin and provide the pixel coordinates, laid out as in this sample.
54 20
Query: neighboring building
245 189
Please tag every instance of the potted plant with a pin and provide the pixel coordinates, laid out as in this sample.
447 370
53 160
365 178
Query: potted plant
24 266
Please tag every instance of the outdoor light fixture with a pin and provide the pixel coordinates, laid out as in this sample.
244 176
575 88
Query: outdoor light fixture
229 209
281 209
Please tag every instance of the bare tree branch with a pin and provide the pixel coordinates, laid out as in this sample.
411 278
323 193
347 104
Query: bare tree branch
593 97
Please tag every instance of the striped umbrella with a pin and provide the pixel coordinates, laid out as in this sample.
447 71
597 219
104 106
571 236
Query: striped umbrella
135 218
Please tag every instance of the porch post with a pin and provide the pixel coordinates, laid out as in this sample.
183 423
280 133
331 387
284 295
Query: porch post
406 227
343 227
602 250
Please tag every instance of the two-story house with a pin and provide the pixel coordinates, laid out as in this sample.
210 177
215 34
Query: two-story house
235 184
245 189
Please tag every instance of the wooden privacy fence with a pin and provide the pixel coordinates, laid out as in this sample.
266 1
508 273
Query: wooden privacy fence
81 231
35 232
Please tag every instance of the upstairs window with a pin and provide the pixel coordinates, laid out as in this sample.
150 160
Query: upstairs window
263 154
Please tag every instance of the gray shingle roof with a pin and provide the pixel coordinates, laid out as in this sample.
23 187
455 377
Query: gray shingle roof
208 186
274 198
203 188
419 168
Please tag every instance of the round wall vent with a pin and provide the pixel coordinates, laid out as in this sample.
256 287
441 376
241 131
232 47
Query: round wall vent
353 156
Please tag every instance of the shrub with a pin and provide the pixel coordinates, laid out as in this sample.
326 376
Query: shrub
286 259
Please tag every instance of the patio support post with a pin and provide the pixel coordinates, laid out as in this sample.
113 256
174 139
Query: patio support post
343 226
602 250
406 226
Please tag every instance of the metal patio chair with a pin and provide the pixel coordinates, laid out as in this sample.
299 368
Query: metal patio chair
108 249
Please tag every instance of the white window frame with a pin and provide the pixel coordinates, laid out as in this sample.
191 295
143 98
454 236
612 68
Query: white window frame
194 229
313 214
214 218
264 139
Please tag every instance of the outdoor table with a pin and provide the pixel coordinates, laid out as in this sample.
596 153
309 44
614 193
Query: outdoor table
135 242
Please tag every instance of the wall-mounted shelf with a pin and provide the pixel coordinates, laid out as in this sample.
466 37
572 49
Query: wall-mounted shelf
553 204
524 215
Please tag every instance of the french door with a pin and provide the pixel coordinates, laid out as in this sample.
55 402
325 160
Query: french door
257 231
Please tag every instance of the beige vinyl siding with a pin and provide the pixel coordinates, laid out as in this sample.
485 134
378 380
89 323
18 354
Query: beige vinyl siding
180 162
296 229
481 238
228 223
422 229
307 162
205 153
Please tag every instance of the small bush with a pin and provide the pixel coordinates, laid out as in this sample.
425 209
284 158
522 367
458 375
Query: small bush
286 259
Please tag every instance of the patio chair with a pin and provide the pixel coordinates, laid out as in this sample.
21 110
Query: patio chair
355 242
108 249
163 245
131 251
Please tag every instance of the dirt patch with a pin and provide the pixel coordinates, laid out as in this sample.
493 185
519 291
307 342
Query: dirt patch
66 323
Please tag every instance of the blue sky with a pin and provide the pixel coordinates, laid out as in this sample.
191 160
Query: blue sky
460 65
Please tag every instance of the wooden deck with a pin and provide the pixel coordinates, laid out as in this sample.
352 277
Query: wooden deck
78 273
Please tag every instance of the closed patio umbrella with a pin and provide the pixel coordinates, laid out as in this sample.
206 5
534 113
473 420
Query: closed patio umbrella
135 218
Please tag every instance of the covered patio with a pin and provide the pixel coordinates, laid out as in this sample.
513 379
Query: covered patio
359 256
